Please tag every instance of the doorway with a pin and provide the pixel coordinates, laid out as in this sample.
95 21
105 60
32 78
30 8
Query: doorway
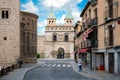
118 63
111 62
60 53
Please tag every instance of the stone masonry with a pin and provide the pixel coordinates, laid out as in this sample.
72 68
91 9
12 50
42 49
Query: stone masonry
9 32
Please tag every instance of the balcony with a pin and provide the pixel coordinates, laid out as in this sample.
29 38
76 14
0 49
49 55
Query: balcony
93 2
94 21
87 24
92 43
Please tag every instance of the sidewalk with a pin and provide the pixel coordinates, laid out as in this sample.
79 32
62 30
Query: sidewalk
99 75
18 74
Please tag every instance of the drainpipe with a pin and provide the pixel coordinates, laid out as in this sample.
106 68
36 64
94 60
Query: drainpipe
91 59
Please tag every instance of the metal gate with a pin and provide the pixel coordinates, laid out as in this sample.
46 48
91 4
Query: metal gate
118 63
111 62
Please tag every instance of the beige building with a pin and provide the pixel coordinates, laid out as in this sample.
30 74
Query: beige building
59 40
78 37
41 45
9 32
28 37
101 27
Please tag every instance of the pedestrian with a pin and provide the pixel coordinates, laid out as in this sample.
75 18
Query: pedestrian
79 64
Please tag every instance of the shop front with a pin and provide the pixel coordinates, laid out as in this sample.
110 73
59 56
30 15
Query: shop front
85 54
99 61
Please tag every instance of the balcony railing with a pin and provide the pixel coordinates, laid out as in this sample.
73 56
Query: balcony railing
87 23
94 21
93 2
92 43
89 43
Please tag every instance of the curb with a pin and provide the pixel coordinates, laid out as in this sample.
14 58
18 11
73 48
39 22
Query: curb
31 69
84 74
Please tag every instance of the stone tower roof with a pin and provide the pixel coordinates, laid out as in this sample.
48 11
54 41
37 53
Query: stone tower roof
69 15
51 13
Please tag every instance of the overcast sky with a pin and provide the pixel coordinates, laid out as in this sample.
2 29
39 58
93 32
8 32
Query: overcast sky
60 7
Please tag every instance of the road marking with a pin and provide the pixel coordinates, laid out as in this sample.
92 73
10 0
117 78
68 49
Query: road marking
58 65
49 65
63 65
44 65
68 65
53 65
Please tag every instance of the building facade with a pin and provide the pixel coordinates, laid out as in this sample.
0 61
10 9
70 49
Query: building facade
59 40
101 26
9 32
28 37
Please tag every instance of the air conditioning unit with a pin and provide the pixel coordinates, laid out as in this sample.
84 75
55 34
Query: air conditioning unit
107 19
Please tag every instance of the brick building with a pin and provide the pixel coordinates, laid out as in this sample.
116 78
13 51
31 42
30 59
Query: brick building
100 30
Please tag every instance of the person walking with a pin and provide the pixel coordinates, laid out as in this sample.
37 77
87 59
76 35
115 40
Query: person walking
79 64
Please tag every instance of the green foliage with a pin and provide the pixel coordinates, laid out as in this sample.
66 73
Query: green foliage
38 56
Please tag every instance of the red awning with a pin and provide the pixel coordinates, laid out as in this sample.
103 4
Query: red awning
85 35
83 50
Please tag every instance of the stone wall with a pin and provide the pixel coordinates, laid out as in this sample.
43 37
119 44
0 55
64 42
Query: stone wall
53 46
9 32
28 37
41 45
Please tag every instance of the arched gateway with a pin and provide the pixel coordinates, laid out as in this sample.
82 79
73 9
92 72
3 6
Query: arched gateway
60 54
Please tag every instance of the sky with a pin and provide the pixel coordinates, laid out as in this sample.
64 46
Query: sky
60 9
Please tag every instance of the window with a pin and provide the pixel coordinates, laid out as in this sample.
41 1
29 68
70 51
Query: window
66 37
52 21
95 12
86 16
28 24
51 28
23 19
5 38
54 37
90 13
32 23
5 14
49 22
81 45
111 38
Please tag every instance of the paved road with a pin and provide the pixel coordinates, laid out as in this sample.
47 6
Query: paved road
54 70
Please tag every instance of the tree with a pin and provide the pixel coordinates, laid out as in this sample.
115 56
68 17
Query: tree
38 56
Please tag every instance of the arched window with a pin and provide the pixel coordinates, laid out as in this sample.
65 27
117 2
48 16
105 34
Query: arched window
66 38
49 22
